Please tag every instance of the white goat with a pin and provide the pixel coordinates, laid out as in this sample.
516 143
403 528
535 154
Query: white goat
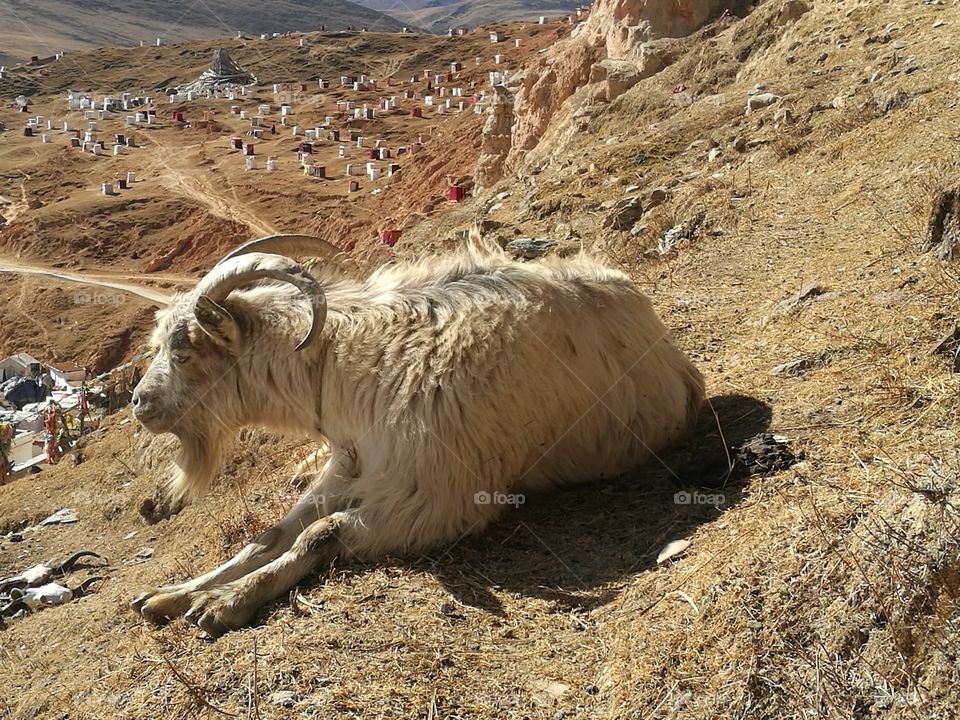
438 388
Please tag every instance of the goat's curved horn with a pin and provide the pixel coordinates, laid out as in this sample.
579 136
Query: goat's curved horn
299 245
229 274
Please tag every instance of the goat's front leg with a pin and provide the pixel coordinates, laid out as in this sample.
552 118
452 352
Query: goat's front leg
367 531
324 496
231 606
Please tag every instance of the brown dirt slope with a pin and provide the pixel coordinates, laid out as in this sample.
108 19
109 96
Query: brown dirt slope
192 200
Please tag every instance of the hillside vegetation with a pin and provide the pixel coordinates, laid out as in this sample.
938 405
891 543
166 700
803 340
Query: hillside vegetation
786 252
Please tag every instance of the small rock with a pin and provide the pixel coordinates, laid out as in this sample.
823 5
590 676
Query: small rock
15 537
547 690
791 11
714 155
529 248
757 102
672 550
781 116
740 143
806 291
762 454
949 347
624 214
656 196
61 517
794 367
284 698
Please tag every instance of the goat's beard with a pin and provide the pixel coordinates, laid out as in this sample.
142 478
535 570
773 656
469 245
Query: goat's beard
197 462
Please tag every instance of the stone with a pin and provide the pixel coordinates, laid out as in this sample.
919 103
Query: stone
793 367
624 214
791 11
672 549
284 698
529 248
654 197
66 516
949 347
714 154
806 291
757 102
943 227
621 75
782 115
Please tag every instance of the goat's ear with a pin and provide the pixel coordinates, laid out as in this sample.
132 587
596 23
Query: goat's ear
216 322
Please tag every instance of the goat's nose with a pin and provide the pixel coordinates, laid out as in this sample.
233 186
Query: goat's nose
140 399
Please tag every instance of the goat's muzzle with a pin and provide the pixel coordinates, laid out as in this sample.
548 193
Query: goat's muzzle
147 411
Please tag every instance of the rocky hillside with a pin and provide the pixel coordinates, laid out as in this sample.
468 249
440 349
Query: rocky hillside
441 15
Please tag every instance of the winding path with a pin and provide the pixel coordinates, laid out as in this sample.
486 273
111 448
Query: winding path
105 280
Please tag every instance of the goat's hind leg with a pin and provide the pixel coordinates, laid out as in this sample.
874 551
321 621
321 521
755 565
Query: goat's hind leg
318 501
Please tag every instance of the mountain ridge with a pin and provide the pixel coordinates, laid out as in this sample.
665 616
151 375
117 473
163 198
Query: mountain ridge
49 26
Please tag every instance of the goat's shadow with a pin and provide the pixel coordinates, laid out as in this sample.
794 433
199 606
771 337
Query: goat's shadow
570 546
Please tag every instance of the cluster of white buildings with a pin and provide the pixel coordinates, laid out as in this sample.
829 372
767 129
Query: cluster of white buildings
23 435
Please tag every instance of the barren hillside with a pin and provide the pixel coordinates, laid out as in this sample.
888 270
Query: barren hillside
442 15
785 249
44 27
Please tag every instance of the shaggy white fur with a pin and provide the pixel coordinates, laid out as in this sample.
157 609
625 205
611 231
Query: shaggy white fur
430 385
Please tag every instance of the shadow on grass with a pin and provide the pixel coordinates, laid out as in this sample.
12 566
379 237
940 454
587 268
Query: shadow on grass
573 546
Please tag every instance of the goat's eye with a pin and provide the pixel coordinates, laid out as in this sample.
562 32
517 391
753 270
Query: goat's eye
180 359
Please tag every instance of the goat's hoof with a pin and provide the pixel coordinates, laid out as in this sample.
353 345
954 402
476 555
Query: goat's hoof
212 625
137 603
217 614
160 607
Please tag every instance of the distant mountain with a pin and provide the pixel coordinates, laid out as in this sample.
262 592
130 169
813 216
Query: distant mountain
42 27
441 15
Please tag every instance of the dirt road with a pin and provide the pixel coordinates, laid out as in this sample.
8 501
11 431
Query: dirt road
189 181
105 280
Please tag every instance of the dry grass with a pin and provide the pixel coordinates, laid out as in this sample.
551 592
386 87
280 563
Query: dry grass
831 589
